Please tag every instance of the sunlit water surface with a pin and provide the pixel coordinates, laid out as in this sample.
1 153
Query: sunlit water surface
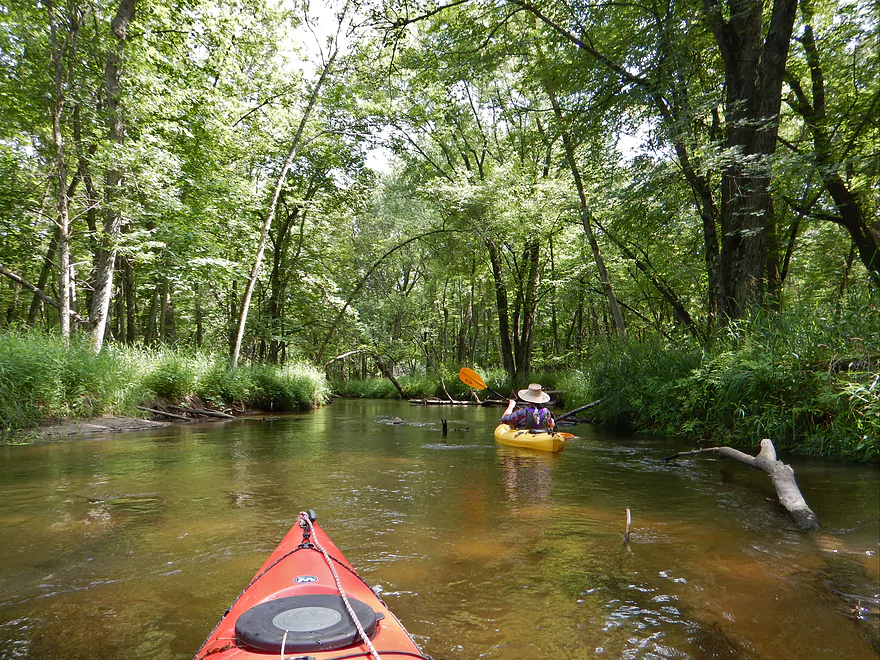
133 545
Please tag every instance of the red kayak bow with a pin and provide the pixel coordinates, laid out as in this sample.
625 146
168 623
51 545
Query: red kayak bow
308 603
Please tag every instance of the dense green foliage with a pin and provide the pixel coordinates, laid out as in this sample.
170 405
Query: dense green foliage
798 379
43 381
568 189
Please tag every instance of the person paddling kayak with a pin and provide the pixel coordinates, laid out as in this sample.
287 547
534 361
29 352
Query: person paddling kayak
529 417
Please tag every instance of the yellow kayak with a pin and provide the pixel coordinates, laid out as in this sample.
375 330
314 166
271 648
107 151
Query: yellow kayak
543 440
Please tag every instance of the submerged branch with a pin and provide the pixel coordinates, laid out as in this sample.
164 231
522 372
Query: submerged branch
781 475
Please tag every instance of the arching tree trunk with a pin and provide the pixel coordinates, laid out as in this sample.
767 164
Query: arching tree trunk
295 145
586 220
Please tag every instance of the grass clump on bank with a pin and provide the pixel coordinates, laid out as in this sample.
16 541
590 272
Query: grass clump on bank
41 381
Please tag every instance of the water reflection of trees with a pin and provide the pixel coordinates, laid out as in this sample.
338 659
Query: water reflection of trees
527 475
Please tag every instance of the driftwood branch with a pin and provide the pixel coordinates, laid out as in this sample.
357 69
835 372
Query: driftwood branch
781 475
202 411
165 414
577 410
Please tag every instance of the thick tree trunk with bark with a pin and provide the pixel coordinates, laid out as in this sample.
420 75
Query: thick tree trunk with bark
754 66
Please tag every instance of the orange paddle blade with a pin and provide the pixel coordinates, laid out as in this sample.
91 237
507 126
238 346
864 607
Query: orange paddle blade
472 379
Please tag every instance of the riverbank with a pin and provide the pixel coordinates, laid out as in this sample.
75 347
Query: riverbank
49 390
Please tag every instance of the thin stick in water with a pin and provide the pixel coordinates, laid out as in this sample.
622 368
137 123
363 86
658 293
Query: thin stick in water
628 525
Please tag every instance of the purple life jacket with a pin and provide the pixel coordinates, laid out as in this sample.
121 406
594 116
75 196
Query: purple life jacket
538 418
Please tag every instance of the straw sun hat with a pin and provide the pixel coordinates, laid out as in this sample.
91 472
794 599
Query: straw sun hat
534 394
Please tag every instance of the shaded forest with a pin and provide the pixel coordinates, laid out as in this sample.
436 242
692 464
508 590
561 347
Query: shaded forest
529 187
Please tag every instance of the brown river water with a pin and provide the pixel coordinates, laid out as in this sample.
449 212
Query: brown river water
133 545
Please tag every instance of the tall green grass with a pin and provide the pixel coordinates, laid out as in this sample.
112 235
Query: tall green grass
41 380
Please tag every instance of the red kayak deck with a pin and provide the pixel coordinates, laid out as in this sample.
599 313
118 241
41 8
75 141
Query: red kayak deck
293 609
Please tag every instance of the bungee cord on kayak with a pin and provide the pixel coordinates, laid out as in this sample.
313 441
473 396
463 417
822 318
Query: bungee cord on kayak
305 522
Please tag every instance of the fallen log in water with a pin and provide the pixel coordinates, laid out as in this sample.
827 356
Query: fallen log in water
582 408
781 475
203 411
165 414
442 402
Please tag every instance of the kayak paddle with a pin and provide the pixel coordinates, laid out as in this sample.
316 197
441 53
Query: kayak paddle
472 379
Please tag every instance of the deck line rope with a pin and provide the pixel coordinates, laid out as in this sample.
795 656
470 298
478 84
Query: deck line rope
306 523
283 643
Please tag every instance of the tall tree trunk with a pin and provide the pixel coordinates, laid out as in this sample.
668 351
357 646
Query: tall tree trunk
151 325
199 315
117 331
754 66
162 325
501 304
233 313
554 321
270 212
463 331
62 219
106 256
46 269
586 220
280 267
527 309
169 323
844 280
130 290
774 260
